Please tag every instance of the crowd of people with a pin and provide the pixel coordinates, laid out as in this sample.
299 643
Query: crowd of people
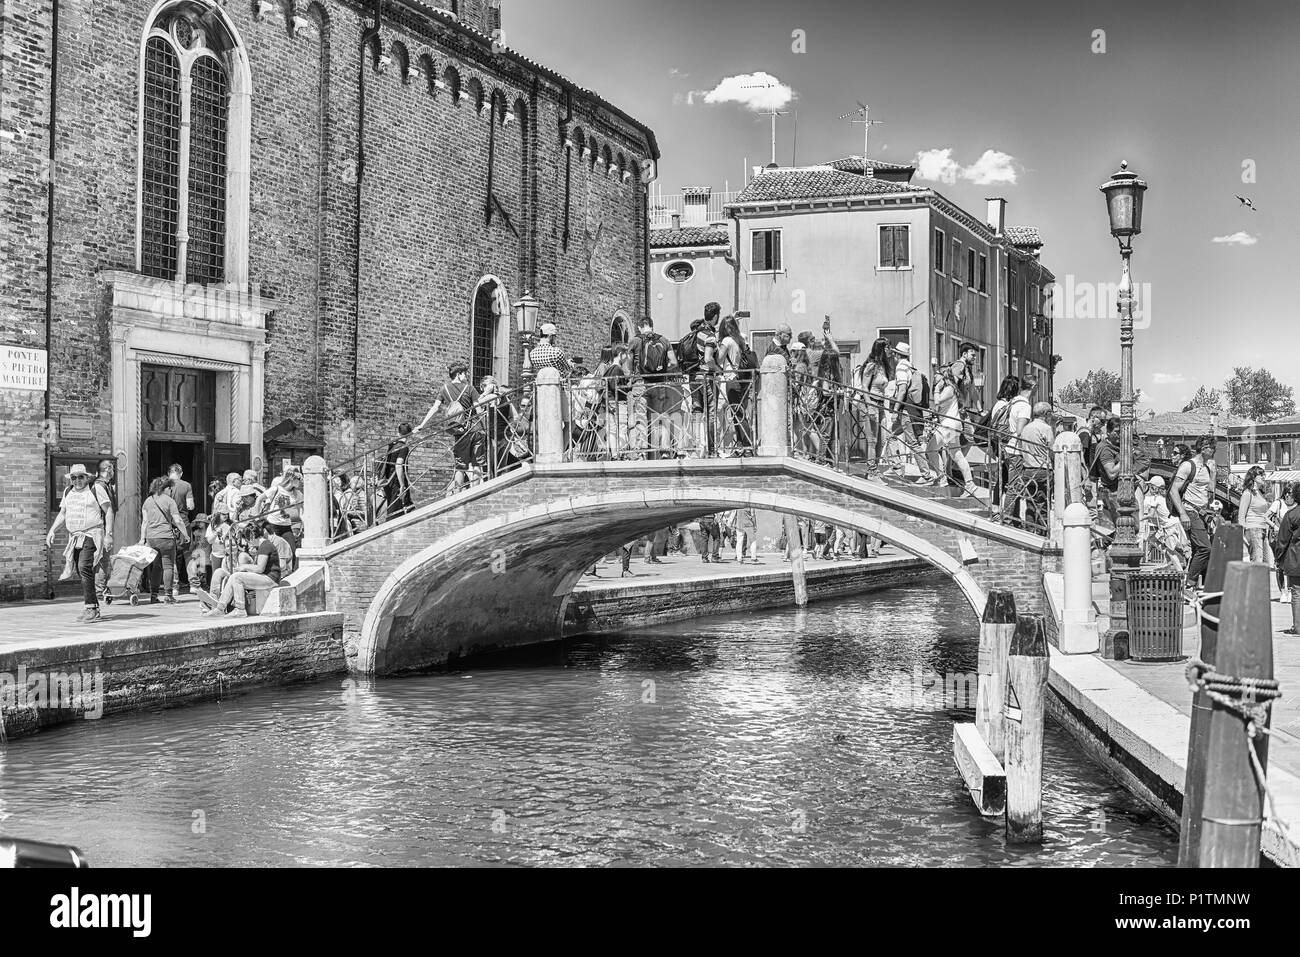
216 555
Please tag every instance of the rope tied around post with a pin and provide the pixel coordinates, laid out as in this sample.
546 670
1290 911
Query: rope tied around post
1250 699
1198 601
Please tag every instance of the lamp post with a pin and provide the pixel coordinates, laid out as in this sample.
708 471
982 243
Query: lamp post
1124 205
526 310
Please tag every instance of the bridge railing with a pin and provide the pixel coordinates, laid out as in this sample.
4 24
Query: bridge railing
867 434
629 417
452 453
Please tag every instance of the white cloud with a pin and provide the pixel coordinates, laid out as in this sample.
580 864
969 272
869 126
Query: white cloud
937 166
1239 238
1168 378
991 168
754 91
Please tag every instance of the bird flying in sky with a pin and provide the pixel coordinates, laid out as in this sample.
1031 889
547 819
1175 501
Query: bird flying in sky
1245 201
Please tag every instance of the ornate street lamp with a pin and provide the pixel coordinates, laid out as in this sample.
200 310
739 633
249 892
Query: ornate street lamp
1124 205
526 312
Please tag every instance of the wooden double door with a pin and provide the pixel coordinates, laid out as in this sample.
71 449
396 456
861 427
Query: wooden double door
178 421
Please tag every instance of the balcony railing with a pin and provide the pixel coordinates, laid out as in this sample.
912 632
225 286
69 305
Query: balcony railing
662 209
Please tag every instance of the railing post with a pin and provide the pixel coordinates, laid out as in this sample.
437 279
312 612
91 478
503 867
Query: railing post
1079 630
774 408
548 418
1067 469
315 504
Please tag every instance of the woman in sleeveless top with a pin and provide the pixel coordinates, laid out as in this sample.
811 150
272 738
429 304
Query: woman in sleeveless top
1254 510
874 376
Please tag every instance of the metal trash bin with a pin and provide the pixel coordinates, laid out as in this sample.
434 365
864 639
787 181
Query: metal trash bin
1155 616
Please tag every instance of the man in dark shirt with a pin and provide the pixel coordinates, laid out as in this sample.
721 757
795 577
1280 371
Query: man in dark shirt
183 494
262 572
107 472
780 344
456 401
654 398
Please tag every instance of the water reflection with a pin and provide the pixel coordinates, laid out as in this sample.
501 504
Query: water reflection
777 738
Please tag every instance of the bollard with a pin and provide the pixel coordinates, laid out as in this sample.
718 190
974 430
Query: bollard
1027 666
1067 447
1227 545
774 408
1233 802
548 418
996 630
1080 634
315 504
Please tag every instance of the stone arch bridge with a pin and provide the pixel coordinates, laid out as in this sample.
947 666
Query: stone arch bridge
493 567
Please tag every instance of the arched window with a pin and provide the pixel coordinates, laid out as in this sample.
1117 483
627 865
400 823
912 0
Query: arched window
490 332
620 330
193 123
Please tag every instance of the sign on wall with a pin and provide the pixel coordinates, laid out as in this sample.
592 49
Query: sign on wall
76 428
22 368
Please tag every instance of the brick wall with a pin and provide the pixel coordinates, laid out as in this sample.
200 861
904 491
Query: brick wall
397 291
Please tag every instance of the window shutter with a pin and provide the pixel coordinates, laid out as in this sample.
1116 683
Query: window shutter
901 252
757 260
775 256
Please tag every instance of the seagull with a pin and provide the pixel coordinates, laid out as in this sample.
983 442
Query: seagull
1245 201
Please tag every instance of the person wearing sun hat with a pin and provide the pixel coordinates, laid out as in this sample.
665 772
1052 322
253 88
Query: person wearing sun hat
87 513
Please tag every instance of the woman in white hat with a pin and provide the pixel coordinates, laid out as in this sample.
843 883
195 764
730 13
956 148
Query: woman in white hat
87 513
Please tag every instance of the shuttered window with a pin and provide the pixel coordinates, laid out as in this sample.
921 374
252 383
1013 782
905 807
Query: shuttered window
895 247
766 251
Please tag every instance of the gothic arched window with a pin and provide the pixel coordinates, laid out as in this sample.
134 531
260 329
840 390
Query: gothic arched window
191 120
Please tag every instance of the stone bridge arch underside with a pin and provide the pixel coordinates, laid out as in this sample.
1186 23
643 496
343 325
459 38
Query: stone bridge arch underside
493 568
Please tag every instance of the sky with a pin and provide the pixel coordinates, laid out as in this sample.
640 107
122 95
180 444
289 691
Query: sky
1026 102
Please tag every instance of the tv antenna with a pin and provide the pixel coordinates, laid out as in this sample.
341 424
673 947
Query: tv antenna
867 123
774 113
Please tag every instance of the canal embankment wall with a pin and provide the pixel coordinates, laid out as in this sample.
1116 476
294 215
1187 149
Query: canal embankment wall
86 676
596 608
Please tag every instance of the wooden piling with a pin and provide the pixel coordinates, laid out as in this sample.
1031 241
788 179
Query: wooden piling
1233 802
1226 547
996 628
794 546
1027 666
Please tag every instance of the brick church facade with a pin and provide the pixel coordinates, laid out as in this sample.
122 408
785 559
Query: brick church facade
251 230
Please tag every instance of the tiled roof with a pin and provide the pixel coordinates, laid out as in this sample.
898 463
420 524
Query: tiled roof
853 164
690 236
1188 424
1024 236
497 45
818 182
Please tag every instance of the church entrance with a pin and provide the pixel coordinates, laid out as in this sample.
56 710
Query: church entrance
178 425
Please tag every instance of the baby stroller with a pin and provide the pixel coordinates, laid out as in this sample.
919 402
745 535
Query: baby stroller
129 567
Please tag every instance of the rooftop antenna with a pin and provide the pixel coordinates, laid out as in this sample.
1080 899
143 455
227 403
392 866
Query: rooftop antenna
867 123
774 113
794 148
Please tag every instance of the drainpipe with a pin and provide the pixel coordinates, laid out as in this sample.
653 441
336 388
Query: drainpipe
645 229
49 250
371 32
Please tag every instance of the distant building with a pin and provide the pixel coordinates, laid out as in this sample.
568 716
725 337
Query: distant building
883 257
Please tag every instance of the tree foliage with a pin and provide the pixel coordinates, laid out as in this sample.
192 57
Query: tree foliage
1256 394
1099 387
1205 400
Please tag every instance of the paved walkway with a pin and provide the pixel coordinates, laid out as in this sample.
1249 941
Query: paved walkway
32 623
1168 681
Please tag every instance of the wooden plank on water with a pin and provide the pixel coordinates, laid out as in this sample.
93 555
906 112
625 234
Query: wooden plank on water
980 769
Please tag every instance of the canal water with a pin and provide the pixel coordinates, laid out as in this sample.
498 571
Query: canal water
808 737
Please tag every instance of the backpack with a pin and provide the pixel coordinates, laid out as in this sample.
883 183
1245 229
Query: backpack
993 425
748 359
918 399
654 355
688 352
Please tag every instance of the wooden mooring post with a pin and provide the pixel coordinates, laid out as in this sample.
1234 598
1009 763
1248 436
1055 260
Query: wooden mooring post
996 629
1232 805
1027 667
799 571
1226 547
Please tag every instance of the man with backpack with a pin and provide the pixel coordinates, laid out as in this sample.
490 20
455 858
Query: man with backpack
1019 414
697 357
1191 493
912 404
653 397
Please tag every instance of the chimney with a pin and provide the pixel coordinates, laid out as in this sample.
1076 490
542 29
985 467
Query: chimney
997 217
695 202
677 220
